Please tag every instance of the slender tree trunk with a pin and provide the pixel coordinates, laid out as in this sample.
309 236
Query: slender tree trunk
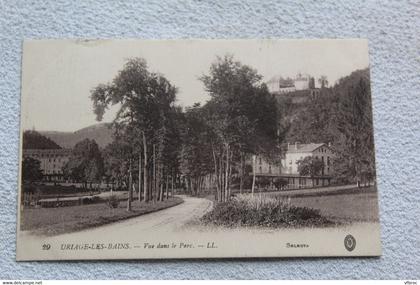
145 185
158 188
130 187
151 184
222 177
241 181
160 182
254 158
167 187
154 196
230 174
216 176
172 186
140 177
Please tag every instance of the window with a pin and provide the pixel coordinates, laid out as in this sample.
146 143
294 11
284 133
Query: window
260 169
269 169
260 161
328 160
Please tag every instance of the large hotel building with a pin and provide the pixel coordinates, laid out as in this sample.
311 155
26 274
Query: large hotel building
52 161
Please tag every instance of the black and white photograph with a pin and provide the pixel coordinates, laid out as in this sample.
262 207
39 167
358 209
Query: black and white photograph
155 149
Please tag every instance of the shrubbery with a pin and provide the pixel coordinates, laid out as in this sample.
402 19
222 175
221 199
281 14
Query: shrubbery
246 210
113 202
90 200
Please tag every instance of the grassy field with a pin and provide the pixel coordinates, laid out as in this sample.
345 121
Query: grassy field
300 209
352 205
360 207
53 221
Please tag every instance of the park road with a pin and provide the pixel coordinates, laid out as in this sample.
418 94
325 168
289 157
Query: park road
167 220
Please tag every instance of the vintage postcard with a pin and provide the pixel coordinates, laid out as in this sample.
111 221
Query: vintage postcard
146 149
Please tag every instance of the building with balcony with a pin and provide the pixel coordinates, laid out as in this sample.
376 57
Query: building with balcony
287 167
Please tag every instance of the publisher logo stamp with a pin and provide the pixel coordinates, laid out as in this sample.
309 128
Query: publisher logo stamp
349 242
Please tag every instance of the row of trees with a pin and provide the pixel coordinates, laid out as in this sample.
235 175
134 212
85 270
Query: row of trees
206 145
146 130
242 120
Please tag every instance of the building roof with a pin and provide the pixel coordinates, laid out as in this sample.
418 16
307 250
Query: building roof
283 82
310 147
59 151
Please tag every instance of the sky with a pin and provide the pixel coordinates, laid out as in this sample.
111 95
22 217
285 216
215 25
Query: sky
58 75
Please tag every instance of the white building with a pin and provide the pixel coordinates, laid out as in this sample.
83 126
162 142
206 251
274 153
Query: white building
302 82
296 152
287 168
280 85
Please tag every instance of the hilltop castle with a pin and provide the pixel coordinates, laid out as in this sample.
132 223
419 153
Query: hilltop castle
302 85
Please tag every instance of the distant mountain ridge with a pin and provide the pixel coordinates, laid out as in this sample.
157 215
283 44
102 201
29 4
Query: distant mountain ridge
101 133
34 140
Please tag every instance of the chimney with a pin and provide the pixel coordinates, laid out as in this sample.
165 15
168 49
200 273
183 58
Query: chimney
329 144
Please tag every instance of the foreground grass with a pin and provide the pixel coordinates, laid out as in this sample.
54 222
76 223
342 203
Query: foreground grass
53 221
354 207
263 211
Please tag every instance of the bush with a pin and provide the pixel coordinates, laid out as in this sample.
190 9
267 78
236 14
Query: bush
90 200
113 202
246 210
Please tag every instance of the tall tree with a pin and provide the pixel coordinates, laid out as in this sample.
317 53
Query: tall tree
310 166
196 151
355 145
31 170
145 98
85 163
243 116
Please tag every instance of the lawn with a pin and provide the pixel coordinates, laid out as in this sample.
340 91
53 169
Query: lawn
53 221
302 209
354 207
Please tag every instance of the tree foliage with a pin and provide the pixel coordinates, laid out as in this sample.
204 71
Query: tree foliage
145 122
355 141
85 163
31 170
34 140
310 166
243 117
341 115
